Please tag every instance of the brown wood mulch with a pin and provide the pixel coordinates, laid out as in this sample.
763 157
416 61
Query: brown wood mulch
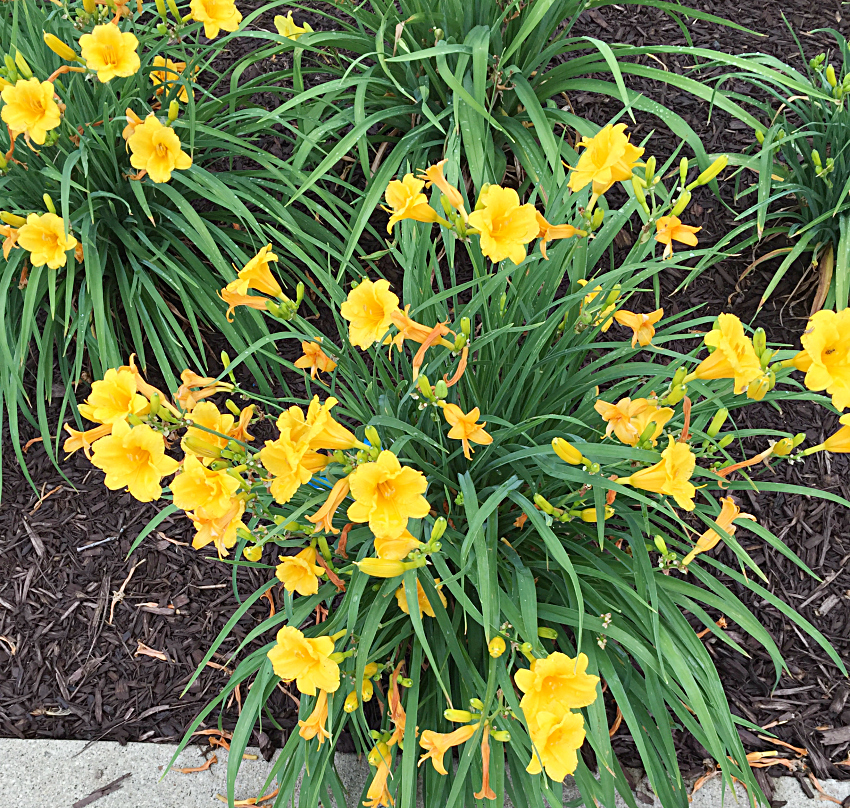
72 651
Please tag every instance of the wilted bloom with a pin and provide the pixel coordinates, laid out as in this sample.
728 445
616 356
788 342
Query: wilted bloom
287 27
45 238
733 357
113 398
408 328
378 794
433 175
133 121
407 201
825 357
397 547
315 359
156 149
300 573
134 458
220 532
729 512
556 740
485 792
567 452
216 15
592 298
670 229
9 235
386 495
551 232
436 744
424 604
503 224
323 518
209 493
233 300
316 723
556 683
671 476
256 274
165 77
29 108
641 324
608 157
306 661
110 52
369 310
629 418
464 427
195 388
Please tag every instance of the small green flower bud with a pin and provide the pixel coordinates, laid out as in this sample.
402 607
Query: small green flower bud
458 716
712 171
649 171
679 376
173 111
759 136
425 387
439 528
596 221
639 193
441 389
717 423
503 303
798 439
547 633
675 395
683 169
725 441
681 203
372 436
660 544
476 704
48 203
816 158
544 504
465 326
500 735
830 76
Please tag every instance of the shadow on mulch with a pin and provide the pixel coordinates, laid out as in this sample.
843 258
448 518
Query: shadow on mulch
74 667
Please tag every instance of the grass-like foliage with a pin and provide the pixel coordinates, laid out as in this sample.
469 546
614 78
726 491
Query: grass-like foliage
488 506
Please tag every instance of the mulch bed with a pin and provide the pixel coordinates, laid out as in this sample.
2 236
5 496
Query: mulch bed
74 663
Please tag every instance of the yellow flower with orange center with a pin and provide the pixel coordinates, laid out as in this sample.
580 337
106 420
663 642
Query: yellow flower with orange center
257 274
642 325
436 744
315 359
306 661
407 201
386 495
300 573
286 26
464 427
134 458
110 52
322 431
556 740
551 232
629 418
45 238
165 77
670 229
608 157
556 683
504 225
733 355
208 493
423 604
825 357
671 476
369 310
291 463
729 512
155 148
210 430
221 532
316 723
29 108
216 15
113 398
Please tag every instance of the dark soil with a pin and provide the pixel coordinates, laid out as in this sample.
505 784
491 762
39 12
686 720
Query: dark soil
74 672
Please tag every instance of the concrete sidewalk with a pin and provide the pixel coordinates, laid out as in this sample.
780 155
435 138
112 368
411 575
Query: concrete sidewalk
60 774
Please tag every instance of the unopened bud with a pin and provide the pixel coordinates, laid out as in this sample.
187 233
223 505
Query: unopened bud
500 735
567 452
465 326
784 447
174 10
675 395
679 376
759 136
425 387
596 221
541 502
372 436
368 690
648 432
48 203
497 647
639 193
759 341
90 6
476 704
11 68
458 716
173 111
441 389
681 203
253 553
830 76
59 47
160 8
798 439
683 169
299 294
649 170
725 441
23 68
351 702
590 515
12 219
712 171
503 304
816 158
660 544
717 423
439 528
195 445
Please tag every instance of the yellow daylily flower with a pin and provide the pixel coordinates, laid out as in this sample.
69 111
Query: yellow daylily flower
407 201
306 661
671 476
670 229
110 52
503 224
45 238
155 148
608 157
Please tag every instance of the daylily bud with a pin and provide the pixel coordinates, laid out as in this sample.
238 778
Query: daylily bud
48 203
373 437
368 690
160 8
830 76
173 111
648 432
12 219
174 10
717 423
460 342
59 47
544 504
497 647
441 389
425 387
233 407
501 735
639 193
683 169
567 452
201 447
596 221
465 326
759 341
299 294
649 170
725 441
90 6
459 716
759 136
675 395
526 650
11 68
712 171
798 439
589 514
155 404
380 752
679 377
439 528
3 161
503 303
476 704
784 447
816 158
547 633
23 68
380 568
681 203
253 552
351 702
660 544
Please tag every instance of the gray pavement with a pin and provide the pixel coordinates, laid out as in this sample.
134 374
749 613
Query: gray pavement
60 774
